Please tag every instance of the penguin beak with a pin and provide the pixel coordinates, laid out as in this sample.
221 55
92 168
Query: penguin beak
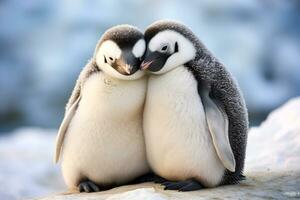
154 61
128 68
127 64
145 65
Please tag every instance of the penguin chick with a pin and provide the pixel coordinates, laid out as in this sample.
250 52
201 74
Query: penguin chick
100 140
195 108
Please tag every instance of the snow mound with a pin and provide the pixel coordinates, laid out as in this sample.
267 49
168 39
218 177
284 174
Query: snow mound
26 167
275 144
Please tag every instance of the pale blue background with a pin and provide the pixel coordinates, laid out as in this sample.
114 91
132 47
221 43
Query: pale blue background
44 45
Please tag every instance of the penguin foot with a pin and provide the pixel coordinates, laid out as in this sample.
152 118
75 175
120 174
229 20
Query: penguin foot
159 179
88 186
242 177
151 177
182 186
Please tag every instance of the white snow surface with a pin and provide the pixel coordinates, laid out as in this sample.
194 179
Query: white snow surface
143 193
27 169
275 144
26 164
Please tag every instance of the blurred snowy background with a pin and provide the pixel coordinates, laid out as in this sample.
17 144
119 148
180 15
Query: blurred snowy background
44 45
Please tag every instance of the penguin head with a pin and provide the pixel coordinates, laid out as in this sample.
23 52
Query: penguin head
119 52
168 46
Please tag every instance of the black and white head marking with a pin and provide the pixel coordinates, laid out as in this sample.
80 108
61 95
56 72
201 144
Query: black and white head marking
167 49
119 52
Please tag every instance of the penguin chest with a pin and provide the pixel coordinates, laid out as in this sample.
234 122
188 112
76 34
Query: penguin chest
179 145
104 142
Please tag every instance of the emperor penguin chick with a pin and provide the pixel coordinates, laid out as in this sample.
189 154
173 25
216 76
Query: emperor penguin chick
195 119
100 140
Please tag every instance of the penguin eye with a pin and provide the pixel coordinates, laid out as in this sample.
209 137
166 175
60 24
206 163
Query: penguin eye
176 47
105 61
164 48
111 58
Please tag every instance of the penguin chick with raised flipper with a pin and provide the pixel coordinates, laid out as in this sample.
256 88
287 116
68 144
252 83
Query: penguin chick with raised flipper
100 140
195 119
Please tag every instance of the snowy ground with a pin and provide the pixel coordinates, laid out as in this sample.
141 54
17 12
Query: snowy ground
258 186
275 144
27 170
26 164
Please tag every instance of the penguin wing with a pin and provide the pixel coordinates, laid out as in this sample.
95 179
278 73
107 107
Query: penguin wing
73 102
63 128
217 121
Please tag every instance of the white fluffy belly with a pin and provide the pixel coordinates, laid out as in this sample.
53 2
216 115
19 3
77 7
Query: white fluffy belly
178 143
104 142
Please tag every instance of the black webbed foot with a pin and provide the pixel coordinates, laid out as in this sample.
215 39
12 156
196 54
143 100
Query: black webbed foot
242 177
151 177
183 186
88 186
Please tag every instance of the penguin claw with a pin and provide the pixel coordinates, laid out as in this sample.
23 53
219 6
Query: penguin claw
83 187
182 186
88 186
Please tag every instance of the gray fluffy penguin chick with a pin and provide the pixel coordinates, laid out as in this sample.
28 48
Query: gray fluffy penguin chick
196 109
100 140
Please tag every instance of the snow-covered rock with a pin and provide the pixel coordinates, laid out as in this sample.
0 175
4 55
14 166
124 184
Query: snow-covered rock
272 166
265 185
275 144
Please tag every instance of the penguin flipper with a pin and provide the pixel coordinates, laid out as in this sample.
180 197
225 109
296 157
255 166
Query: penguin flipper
217 121
63 128
89 69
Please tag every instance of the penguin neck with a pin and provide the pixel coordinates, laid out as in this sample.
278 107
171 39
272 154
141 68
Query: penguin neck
109 79
170 71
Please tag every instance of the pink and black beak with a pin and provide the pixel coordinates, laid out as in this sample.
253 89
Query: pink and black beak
154 61
145 65
127 64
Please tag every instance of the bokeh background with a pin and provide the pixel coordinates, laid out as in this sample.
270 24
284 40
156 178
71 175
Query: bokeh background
45 43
